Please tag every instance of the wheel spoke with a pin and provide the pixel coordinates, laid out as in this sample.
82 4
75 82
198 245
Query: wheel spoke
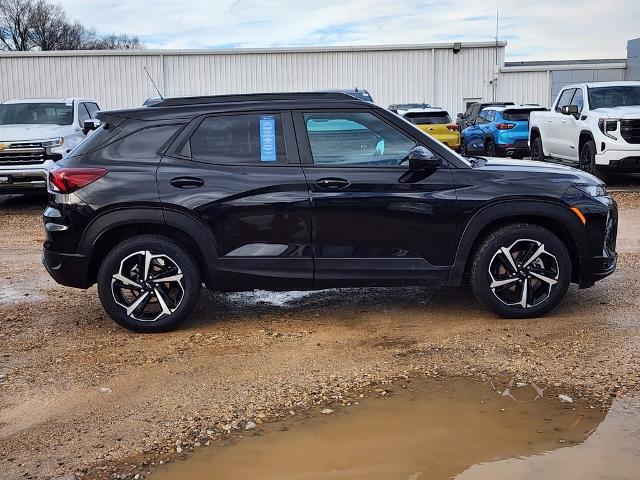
126 281
535 255
172 278
134 306
507 254
501 283
147 263
524 300
165 308
550 281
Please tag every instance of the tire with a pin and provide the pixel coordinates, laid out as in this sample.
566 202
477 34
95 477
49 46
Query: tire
501 287
490 148
537 152
463 147
587 160
164 305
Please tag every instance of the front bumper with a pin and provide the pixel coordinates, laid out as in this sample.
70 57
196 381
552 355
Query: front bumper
17 180
596 268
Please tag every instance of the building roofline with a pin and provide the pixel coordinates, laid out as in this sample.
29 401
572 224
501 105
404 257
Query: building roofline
538 66
237 51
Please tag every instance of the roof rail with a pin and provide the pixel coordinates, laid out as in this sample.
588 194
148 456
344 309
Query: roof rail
251 97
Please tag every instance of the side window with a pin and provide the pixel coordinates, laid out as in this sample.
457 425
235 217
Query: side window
470 109
490 115
92 108
481 118
358 139
578 99
143 143
83 114
565 99
238 140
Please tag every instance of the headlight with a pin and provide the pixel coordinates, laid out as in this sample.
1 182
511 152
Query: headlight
607 126
54 143
593 190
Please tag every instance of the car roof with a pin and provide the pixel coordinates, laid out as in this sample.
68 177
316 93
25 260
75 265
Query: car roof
182 107
605 84
49 100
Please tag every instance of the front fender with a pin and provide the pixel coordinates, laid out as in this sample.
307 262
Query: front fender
500 212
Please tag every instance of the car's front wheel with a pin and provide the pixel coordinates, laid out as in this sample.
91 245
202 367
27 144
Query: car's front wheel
521 271
587 160
148 283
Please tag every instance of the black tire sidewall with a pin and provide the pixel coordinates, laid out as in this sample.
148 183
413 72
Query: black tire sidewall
486 148
504 237
538 144
156 244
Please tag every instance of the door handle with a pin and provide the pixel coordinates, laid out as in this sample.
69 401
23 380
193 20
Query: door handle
187 182
332 183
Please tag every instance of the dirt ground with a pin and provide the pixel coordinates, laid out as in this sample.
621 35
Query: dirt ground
80 396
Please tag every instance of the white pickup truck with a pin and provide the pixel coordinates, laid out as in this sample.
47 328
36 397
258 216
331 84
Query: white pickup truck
36 133
594 126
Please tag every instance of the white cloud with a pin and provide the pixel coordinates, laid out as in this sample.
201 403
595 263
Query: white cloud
545 29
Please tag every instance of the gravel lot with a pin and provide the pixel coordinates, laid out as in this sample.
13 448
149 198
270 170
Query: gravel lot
81 396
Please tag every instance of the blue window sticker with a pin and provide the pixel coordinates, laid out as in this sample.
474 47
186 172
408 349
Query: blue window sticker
267 138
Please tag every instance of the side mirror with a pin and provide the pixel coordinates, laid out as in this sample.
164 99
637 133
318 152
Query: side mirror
91 124
421 158
570 110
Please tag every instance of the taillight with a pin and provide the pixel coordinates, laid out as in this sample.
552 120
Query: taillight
68 180
453 128
505 126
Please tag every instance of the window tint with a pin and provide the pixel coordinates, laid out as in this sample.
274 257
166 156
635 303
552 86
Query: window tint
93 109
36 113
355 139
83 114
143 143
577 99
490 115
617 96
239 139
428 118
565 99
519 115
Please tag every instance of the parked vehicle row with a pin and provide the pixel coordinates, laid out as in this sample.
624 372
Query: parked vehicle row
308 191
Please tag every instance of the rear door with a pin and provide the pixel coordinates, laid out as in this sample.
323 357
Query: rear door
376 222
240 175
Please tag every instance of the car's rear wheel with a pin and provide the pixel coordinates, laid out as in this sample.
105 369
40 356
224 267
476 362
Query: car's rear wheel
489 148
463 147
148 283
537 153
521 271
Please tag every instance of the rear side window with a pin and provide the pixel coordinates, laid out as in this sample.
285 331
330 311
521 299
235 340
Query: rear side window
238 140
93 140
428 118
144 143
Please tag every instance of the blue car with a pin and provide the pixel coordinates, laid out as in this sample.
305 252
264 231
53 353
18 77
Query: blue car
499 132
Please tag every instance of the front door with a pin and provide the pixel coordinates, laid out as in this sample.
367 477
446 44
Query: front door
240 175
375 220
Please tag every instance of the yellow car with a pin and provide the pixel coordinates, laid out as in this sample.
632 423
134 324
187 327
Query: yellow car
437 123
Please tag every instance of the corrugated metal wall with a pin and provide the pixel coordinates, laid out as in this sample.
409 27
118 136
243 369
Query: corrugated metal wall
430 73
525 87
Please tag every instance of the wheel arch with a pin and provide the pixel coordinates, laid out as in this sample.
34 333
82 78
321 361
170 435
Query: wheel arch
114 226
584 137
555 217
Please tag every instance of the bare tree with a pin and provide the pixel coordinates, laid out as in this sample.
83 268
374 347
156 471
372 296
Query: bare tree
40 25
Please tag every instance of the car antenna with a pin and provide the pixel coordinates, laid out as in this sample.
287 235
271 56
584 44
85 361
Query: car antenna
154 83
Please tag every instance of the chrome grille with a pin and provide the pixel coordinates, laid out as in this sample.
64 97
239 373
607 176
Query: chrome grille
630 130
22 153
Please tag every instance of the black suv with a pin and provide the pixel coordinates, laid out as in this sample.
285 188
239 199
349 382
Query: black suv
309 191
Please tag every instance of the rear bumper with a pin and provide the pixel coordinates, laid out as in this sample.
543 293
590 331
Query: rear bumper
71 270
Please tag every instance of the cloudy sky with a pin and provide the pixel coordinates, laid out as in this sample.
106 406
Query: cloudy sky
541 29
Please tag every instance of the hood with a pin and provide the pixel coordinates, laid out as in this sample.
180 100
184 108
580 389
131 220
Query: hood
630 111
525 168
16 133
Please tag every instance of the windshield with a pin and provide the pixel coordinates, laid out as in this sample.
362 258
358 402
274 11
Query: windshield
428 118
609 97
36 113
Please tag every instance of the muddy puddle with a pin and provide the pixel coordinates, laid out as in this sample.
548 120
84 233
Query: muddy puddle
434 430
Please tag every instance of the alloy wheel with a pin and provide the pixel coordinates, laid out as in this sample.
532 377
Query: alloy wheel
148 286
523 274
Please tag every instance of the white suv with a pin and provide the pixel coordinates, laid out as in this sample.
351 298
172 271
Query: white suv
595 126
34 133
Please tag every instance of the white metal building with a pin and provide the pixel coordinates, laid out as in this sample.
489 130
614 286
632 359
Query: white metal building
447 75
